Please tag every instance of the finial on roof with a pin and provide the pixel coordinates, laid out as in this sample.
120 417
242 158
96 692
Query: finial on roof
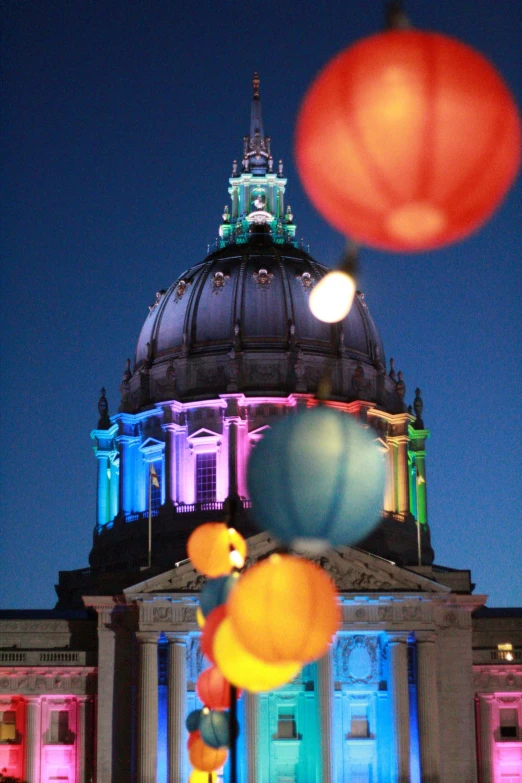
255 83
104 422
418 407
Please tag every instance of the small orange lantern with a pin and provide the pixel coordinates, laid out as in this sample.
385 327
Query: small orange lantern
213 622
213 689
285 608
408 140
215 550
204 758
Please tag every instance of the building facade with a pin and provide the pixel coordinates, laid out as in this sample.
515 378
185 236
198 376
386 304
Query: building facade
423 683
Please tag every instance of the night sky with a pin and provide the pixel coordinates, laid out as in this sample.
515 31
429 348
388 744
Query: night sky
119 125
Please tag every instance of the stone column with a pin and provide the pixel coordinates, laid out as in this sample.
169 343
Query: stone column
390 500
428 707
102 516
170 464
147 740
33 739
114 490
399 704
177 707
486 737
231 423
252 734
104 725
403 481
127 472
83 731
325 683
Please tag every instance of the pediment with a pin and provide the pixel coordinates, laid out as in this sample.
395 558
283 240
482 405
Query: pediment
352 570
203 433
151 444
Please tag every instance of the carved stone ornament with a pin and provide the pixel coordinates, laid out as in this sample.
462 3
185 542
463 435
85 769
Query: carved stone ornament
307 280
218 281
181 287
357 659
263 278
161 613
159 296
194 658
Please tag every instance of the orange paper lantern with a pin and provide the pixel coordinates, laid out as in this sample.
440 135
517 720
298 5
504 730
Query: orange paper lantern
285 608
204 758
408 140
214 549
213 689
245 670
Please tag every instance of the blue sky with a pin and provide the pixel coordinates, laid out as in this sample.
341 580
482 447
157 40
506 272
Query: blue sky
120 124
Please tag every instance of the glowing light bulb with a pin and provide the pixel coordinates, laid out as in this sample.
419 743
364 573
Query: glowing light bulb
237 559
332 297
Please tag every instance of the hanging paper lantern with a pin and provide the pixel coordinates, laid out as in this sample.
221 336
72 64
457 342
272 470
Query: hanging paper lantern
215 592
202 777
214 728
206 641
408 140
215 550
192 737
192 721
318 475
245 670
204 758
213 689
285 608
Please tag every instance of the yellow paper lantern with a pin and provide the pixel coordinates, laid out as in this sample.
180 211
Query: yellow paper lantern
197 776
215 550
204 758
285 608
243 669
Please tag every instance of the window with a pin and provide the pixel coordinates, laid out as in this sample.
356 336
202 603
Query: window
205 477
286 727
359 727
59 727
155 493
505 652
8 726
508 724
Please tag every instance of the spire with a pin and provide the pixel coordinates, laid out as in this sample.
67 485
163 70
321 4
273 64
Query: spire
256 153
256 116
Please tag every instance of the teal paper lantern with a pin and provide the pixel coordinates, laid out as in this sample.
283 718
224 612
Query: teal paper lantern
214 728
215 592
192 721
317 478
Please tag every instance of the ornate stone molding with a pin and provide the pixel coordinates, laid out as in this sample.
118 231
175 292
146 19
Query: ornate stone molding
357 659
42 682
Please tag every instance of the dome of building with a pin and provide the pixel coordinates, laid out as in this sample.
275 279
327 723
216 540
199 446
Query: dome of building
224 353
240 321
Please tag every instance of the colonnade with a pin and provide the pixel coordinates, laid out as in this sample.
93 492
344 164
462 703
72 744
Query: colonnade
427 710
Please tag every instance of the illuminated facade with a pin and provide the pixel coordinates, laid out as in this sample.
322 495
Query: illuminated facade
415 687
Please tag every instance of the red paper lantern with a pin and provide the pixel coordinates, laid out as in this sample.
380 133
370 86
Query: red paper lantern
204 758
213 689
213 622
408 140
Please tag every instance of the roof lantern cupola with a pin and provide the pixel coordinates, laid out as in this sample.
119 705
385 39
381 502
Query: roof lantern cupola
257 190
